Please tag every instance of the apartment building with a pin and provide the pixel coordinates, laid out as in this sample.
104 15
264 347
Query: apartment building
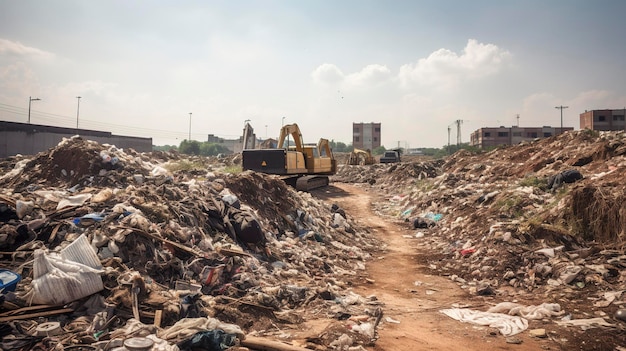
366 135
604 120
489 137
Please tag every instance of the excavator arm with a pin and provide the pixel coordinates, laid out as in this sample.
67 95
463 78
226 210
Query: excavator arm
360 157
323 146
294 131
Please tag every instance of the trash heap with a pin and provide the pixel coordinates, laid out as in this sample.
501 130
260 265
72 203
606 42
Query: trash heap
116 249
542 221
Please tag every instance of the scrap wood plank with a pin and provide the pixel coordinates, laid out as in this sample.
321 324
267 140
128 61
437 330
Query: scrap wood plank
232 252
26 309
261 344
35 315
163 240
7 199
157 318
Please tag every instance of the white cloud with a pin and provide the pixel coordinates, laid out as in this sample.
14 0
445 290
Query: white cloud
445 69
15 48
327 73
18 80
370 75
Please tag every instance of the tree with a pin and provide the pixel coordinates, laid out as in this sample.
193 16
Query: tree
189 147
340 147
379 150
213 149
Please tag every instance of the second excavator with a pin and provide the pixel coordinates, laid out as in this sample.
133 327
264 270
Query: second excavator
360 157
305 166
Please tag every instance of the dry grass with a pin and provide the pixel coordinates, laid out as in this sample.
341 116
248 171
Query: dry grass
598 214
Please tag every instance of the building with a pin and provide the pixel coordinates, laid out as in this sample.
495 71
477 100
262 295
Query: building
603 120
30 139
366 135
234 145
490 137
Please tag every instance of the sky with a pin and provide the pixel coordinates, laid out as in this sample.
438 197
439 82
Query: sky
171 70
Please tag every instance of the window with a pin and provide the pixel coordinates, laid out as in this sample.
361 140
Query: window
356 138
503 134
547 134
601 118
356 129
518 134
618 117
377 129
532 134
487 134
375 139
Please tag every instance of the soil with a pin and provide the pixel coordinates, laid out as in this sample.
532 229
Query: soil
399 277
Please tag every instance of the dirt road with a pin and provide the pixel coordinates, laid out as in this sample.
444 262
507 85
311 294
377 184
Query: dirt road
411 297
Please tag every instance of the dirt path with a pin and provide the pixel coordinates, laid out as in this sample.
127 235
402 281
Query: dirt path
412 297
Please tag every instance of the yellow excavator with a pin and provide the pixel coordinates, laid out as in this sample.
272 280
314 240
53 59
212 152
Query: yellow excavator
305 166
360 157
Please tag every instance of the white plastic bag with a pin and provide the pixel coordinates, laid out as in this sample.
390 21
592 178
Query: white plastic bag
73 273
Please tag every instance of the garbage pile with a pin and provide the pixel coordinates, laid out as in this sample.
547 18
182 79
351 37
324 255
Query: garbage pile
104 248
395 175
543 220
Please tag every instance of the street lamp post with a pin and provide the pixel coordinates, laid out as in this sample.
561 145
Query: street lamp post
30 99
189 126
77 110
283 121
266 131
561 108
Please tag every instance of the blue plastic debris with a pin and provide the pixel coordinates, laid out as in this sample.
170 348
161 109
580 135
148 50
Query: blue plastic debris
88 219
8 280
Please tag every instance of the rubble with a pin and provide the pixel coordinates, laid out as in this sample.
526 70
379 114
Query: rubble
190 251
111 245
542 222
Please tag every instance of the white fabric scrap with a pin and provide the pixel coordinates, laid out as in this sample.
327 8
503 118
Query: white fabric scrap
507 325
187 327
542 311
587 323
609 297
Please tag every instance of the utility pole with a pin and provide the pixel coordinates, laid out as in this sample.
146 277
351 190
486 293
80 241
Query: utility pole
30 99
458 131
448 139
77 109
561 108
189 139
517 120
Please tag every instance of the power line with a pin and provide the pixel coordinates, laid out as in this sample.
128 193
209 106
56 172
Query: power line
62 121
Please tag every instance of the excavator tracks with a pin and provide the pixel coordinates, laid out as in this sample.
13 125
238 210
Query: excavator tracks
310 182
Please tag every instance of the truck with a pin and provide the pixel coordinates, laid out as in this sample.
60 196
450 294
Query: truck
304 166
390 156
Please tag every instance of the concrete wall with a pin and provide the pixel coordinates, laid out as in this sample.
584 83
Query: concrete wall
30 139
